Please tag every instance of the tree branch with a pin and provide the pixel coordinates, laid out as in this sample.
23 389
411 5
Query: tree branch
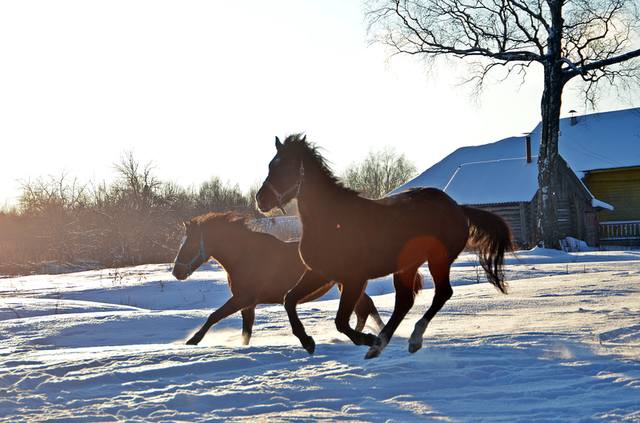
599 64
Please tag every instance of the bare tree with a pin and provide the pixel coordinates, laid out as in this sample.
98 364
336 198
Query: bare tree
596 40
380 172
215 195
58 192
137 183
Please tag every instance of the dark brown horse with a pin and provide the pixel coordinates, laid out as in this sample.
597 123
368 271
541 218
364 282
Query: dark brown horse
261 269
351 239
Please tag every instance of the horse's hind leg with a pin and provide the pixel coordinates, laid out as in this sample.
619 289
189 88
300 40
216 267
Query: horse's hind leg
248 316
405 295
440 272
365 308
231 306
351 293
309 282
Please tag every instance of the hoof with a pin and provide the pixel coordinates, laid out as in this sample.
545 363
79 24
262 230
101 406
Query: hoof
414 347
376 349
310 345
372 353
415 341
195 339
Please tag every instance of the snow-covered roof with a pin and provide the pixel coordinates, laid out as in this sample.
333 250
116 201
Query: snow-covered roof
496 181
599 141
596 141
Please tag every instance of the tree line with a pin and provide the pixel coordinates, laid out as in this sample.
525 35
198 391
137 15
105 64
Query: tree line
61 224
133 220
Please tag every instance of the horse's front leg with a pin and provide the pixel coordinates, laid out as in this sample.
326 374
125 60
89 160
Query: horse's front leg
351 292
308 283
231 306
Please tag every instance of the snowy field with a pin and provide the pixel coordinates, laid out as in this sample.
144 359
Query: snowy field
108 345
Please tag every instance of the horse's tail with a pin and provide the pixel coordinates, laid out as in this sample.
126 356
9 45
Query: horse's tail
490 234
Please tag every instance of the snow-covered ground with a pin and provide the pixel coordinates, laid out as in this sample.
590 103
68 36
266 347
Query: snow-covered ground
108 345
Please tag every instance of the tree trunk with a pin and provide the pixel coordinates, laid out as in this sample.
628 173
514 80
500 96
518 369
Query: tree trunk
547 218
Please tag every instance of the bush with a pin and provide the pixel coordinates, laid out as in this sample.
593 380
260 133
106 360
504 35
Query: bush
134 220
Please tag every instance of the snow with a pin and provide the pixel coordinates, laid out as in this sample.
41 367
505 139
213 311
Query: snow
493 182
597 141
601 204
108 345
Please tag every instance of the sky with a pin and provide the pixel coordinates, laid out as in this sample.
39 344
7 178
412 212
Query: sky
200 88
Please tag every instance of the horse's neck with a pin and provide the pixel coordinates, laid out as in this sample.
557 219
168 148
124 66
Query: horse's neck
229 251
321 198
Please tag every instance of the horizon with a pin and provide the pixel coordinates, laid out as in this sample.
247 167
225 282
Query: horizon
83 83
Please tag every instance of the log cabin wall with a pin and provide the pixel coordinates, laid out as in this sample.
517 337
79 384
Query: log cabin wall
619 187
576 215
517 217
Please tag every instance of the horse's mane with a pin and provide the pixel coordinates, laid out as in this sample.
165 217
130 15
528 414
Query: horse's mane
299 143
229 217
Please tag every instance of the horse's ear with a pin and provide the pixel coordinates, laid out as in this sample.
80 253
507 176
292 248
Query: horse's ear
304 138
278 144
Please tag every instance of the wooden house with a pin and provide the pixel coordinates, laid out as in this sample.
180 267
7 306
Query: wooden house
509 187
620 187
599 194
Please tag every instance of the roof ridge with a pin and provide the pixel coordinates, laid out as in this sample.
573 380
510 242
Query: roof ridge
495 160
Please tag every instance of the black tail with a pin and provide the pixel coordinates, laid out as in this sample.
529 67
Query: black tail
491 235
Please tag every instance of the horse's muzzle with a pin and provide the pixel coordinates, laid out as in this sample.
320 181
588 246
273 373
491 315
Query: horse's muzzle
265 200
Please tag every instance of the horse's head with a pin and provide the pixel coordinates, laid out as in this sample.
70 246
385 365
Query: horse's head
285 176
192 252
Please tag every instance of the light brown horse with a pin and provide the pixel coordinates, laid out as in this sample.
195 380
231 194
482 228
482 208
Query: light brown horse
350 239
261 269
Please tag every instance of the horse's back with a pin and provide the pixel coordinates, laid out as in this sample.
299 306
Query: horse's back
418 196
428 218
271 268
285 257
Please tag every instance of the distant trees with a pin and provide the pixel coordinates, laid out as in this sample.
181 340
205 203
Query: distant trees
137 187
594 40
133 220
379 173
215 195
